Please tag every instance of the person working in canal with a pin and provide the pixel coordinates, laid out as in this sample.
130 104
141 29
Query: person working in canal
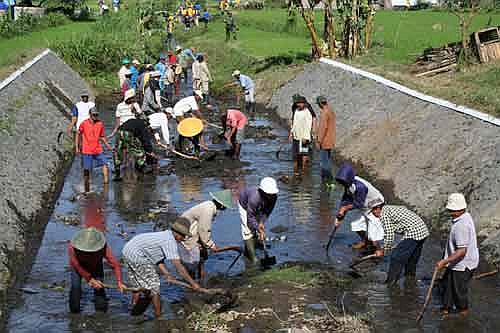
248 87
195 249
146 253
128 109
86 252
400 220
255 206
302 130
80 112
234 122
88 140
325 140
357 194
461 257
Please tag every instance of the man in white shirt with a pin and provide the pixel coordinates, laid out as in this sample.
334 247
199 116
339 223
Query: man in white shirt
128 109
80 112
188 104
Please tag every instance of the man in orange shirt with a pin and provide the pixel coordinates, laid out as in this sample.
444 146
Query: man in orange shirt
88 142
325 141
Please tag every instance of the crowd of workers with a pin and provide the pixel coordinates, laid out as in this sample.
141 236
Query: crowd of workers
152 102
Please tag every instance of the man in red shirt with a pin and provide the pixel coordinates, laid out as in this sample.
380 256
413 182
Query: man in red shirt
234 122
88 142
86 252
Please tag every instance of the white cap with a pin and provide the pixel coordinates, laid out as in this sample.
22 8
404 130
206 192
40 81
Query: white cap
198 92
178 48
129 94
236 73
269 185
136 62
456 201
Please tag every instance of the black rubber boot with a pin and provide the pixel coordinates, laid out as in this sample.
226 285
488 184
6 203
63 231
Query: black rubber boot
250 251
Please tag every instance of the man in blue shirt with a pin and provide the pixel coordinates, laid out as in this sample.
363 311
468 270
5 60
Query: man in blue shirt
206 18
135 73
248 87
162 68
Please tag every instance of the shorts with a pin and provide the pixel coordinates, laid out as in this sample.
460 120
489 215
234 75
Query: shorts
296 147
89 159
143 276
239 136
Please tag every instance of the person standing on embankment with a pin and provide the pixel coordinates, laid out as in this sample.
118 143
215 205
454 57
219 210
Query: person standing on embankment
325 140
256 205
88 142
461 257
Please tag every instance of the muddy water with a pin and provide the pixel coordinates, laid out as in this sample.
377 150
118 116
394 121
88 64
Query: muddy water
304 209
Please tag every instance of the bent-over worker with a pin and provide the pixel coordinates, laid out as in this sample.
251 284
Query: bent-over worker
234 122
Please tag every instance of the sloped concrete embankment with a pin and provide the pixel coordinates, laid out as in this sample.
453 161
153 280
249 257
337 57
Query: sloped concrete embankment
35 105
425 150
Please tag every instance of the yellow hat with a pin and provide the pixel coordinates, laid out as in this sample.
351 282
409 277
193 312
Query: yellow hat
190 127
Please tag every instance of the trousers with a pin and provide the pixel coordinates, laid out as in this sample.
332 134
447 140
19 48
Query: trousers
406 254
325 163
75 294
455 288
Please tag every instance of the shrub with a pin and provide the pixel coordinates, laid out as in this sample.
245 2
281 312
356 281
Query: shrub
28 23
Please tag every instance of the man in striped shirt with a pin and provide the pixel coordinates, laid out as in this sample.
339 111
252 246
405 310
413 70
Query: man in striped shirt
401 220
144 253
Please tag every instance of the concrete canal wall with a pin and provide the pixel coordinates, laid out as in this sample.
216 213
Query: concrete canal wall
35 104
425 149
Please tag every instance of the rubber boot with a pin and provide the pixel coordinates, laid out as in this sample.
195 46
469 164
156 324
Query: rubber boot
250 251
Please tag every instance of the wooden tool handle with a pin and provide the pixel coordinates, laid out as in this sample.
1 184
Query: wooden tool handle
482 275
429 294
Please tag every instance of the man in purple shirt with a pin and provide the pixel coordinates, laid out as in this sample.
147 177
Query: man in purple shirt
255 205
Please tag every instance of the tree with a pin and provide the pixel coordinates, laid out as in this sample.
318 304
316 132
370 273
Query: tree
306 9
465 10
356 18
329 34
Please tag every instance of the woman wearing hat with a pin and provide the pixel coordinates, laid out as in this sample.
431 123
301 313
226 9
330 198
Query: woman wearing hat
128 109
256 205
201 218
146 253
192 129
302 130
86 251
461 256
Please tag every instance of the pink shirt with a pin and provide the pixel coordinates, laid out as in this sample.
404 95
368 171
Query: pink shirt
236 118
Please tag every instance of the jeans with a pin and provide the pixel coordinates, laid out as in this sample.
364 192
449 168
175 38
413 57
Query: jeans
455 288
75 294
406 254
325 163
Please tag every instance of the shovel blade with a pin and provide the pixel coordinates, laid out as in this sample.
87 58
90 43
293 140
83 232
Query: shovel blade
268 261
141 306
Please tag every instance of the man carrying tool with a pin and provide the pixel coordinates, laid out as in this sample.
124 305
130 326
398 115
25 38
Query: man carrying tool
86 252
248 87
88 142
80 112
325 140
136 138
201 217
146 253
357 194
401 220
255 206
234 122
461 257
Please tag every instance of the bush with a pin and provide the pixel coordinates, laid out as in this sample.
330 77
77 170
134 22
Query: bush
28 23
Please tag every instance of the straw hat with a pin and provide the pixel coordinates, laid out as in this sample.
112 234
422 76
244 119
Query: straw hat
190 127
456 201
89 240
181 226
129 94
223 197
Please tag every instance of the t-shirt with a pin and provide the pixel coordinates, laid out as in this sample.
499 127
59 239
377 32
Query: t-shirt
245 82
236 118
91 133
124 111
151 248
201 217
463 235
185 105
81 111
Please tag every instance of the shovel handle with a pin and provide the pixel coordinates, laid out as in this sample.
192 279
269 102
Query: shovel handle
133 290
429 294
482 275
330 240
363 259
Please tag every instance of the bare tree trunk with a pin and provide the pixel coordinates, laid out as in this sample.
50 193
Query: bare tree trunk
387 4
308 16
369 28
330 28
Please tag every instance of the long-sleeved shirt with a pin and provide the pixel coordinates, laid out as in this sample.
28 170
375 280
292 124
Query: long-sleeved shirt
133 78
401 220
201 217
205 75
149 103
89 264
196 70
139 129
327 130
258 209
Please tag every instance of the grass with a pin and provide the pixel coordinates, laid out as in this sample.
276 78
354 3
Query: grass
294 274
18 50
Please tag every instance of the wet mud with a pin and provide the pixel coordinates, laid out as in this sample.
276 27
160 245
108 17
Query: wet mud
307 289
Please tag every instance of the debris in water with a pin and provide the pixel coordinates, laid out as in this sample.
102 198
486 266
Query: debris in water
28 290
55 286
279 229
73 220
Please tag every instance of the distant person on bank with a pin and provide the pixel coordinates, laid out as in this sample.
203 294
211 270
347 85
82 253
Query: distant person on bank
88 142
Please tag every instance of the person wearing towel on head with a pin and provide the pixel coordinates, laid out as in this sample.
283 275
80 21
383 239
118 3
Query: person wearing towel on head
358 192
234 122
145 254
256 205
86 252
302 130
194 250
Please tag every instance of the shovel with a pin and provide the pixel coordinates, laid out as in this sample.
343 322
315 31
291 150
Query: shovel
267 261
429 295
330 240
